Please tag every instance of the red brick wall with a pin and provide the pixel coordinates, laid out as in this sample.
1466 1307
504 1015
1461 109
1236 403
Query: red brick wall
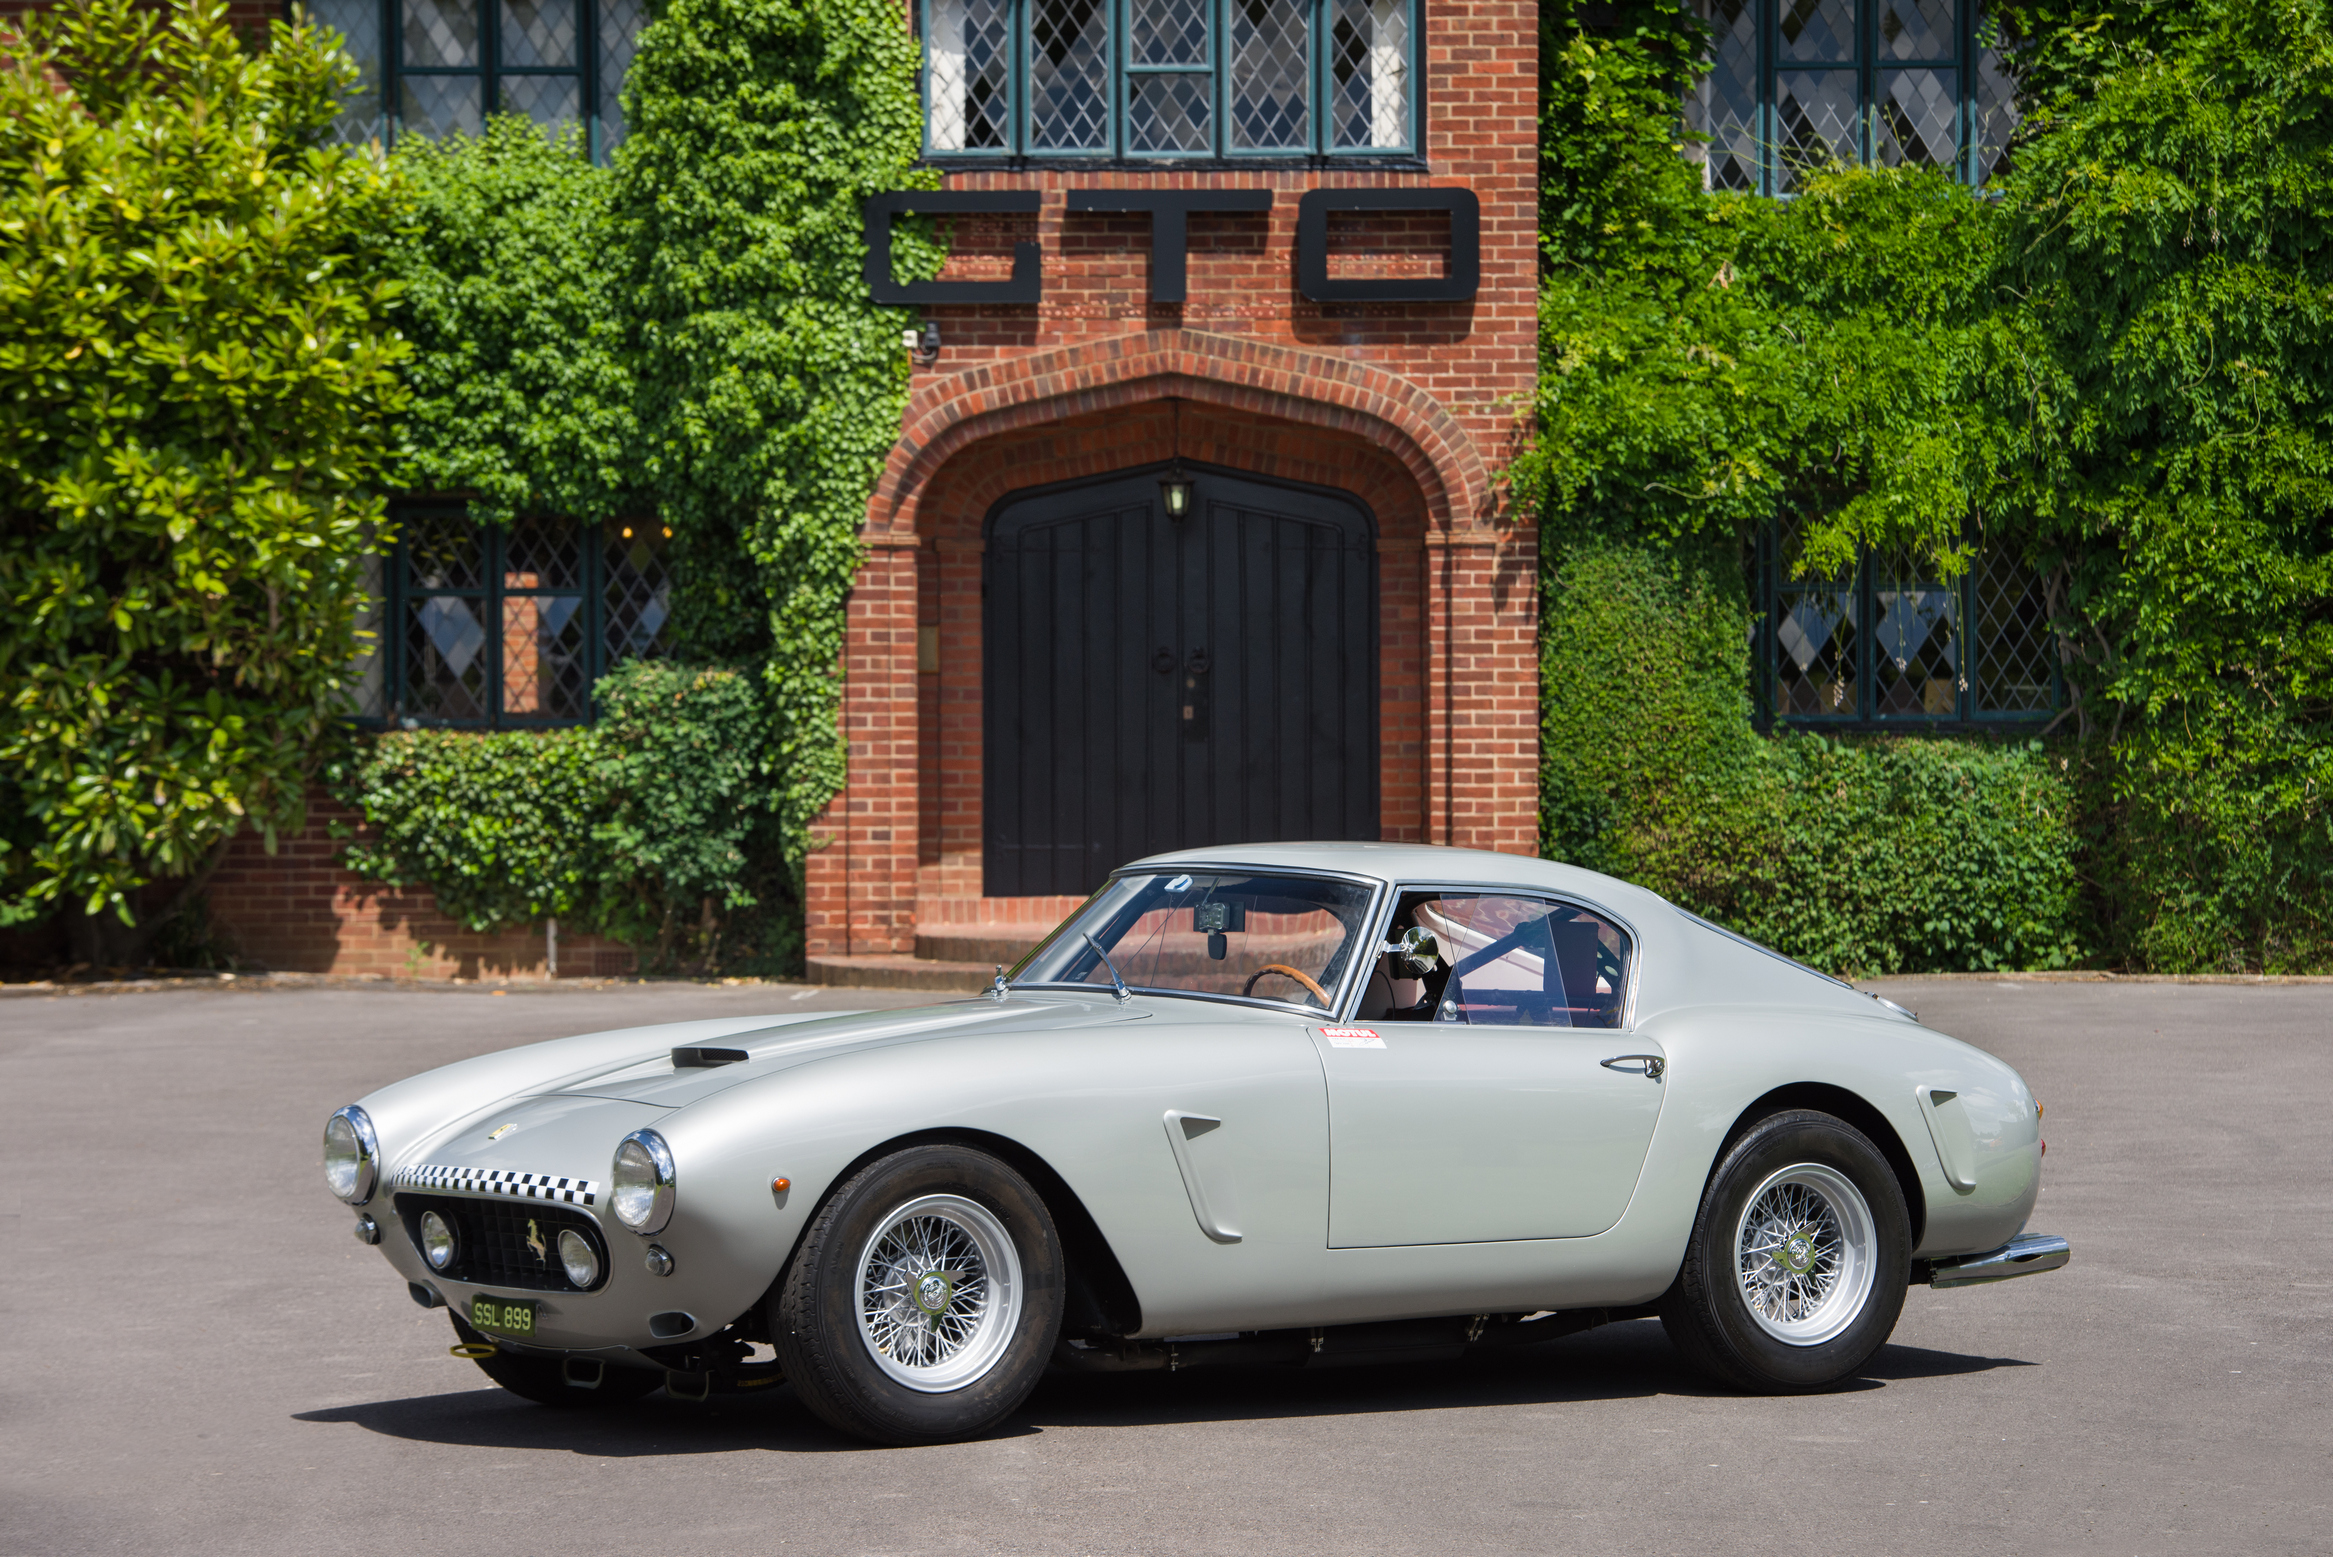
1412 406
298 911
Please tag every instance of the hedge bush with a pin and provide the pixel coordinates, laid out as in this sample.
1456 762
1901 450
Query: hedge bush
652 826
1865 856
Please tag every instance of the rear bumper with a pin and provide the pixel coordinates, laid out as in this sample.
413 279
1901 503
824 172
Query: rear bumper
2027 1254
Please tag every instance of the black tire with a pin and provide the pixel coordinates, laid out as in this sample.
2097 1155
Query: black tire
815 1311
543 1380
1707 1314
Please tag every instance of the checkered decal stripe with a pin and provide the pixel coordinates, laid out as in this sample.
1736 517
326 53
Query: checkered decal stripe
495 1181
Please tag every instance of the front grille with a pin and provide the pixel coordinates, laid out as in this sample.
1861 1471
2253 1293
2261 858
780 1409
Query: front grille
495 1241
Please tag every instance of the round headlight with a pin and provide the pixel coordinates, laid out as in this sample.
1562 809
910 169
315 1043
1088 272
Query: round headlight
352 1155
437 1240
641 1182
579 1258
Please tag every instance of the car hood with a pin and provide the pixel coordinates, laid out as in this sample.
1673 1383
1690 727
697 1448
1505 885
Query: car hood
651 1077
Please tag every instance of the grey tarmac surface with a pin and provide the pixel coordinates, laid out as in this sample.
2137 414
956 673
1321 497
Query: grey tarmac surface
200 1359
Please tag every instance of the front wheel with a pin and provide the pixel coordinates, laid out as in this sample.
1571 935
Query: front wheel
923 1302
1796 1269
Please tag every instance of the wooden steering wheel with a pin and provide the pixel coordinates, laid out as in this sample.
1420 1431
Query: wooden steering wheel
1318 993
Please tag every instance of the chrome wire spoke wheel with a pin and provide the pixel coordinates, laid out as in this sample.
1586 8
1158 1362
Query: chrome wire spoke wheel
1805 1253
939 1292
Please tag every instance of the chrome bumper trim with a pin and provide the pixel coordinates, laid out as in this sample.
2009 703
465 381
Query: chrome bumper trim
2028 1254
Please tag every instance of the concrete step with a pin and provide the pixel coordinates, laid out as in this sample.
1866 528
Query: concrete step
897 972
983 944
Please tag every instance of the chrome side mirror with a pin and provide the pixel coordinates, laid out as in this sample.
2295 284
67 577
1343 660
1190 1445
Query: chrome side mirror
1416 946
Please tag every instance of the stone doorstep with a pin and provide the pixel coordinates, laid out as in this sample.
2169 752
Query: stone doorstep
984 944
902 972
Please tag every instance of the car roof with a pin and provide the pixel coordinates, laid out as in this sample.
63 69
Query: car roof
1420 862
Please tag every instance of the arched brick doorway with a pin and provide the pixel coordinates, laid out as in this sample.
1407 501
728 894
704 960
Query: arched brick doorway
1161 679
899 870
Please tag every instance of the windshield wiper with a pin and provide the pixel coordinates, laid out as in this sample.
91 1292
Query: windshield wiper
1116 982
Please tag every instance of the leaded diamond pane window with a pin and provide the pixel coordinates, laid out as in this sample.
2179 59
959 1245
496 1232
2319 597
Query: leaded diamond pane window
1170 78
439 67
1069 76
1271 89
1888 643
1796 85
509 626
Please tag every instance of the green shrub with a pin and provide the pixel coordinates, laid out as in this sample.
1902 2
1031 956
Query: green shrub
653 826
197 380
502 828
1866 856
691 832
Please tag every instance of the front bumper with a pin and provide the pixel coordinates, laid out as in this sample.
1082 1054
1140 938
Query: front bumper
2027 1254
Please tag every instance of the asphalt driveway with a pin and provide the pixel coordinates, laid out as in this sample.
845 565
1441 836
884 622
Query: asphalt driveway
198 1358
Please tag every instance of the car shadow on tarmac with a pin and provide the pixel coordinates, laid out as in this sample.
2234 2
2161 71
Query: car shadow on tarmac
1621 1362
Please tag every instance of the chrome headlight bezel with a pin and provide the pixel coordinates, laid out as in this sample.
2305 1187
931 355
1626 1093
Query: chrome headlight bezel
640 1186
358 1127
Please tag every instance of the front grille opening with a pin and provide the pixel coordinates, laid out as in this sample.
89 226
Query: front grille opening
506 1243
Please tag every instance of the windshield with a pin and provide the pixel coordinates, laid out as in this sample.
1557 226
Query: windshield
1238 933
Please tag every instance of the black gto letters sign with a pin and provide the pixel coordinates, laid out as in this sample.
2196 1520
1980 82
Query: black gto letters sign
1170 210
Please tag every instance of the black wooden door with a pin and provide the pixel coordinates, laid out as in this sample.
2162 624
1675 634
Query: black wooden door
1157 684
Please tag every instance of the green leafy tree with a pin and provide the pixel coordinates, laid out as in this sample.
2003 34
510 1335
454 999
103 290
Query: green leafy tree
197 384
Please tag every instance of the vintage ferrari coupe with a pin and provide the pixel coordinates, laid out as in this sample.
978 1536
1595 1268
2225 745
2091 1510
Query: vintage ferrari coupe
1295 1103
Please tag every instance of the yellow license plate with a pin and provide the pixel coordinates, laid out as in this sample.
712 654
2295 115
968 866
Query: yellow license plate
507 1316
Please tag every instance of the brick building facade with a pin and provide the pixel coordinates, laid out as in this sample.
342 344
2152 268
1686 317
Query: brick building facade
1411 407
1384 421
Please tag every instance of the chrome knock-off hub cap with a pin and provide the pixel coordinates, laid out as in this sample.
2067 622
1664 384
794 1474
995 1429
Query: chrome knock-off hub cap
939 1293
1805 1253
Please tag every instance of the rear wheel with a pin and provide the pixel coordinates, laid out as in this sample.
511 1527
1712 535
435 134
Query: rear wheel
1796 1269
551 1381
924 1300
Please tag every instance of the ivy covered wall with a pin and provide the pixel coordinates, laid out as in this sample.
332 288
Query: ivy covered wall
2112 365
683 333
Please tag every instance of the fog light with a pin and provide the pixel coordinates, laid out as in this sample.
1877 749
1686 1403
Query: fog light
580 1258
658 1260
437 1240
367 1230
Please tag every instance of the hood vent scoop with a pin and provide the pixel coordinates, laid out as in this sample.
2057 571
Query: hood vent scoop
706 1059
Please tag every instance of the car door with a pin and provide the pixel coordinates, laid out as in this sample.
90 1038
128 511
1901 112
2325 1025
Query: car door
1482 1108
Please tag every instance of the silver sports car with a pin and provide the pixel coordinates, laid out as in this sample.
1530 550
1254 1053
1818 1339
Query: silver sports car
1290 1103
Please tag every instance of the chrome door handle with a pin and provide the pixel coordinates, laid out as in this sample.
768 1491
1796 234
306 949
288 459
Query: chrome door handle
1651 1064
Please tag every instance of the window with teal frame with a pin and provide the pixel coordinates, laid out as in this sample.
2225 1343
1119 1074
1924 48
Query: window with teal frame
508 626
1795 84
1142 80
1887 645
438 67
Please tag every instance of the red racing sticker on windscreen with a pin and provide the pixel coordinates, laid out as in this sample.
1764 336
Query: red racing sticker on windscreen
1352 1038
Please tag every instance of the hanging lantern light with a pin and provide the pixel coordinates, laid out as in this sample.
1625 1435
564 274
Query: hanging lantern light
1174 488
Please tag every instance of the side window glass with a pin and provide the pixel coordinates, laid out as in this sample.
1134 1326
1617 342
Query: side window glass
1503 961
